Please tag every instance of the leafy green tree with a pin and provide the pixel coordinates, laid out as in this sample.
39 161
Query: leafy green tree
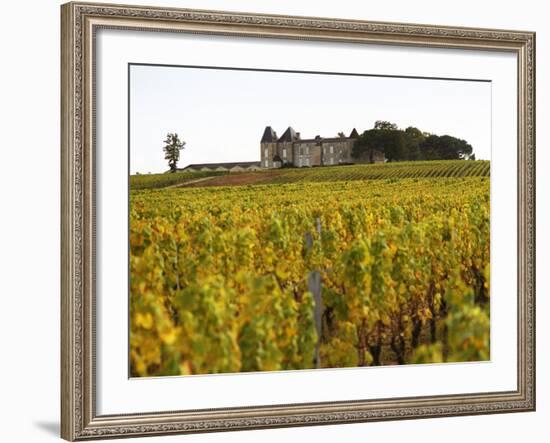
172 147
414 137
366 141
384 137
430 148
385 125
445 147
392 143
454 148
410 144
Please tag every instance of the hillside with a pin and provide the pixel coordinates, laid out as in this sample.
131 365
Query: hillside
379 171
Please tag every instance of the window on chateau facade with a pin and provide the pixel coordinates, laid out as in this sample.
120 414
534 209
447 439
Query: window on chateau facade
284 153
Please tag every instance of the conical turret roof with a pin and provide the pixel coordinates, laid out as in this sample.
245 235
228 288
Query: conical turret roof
269 135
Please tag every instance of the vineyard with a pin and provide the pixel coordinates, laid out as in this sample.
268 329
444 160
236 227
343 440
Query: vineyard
152 181
443 168
220 277
379 171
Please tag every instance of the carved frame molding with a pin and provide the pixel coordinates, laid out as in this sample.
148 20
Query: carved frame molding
79 24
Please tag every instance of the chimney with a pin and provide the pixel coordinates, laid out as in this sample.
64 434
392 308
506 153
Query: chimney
298 135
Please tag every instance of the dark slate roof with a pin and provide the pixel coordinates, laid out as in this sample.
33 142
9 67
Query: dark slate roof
321 140
354 134
311 140
269 135
289 135
219 165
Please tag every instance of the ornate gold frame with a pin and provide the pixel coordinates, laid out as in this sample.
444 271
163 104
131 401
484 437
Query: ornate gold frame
79 22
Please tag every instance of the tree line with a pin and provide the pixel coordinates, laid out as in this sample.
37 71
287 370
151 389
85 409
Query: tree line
410 144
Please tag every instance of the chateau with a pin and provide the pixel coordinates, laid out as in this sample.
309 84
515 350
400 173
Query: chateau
291 150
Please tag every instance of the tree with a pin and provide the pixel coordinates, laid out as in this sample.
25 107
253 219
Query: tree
430 148
414 137
445 147
392 143
172 147
365 142
384 137
385 125
410 144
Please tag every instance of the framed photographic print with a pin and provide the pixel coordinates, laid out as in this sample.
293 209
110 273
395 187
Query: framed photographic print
282 221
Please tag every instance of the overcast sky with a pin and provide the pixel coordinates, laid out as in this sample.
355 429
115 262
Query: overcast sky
221 114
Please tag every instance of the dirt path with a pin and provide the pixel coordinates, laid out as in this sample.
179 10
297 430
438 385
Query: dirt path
235 179
190 182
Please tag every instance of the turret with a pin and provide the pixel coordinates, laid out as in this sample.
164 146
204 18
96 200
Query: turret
268 147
